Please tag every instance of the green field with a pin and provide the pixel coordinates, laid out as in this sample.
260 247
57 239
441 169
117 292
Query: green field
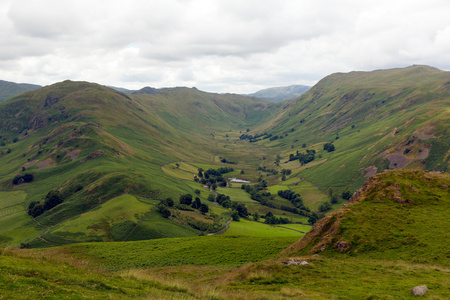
8 199
224 251
11 203
13 216
311 195
250 228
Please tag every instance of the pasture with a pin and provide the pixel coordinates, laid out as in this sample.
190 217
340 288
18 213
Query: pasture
251 228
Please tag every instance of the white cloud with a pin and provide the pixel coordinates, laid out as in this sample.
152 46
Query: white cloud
216 45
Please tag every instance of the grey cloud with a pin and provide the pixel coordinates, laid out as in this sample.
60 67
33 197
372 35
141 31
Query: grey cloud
221 45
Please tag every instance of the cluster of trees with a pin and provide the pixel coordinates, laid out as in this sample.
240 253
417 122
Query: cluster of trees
266 198
25 178
271 219
293 197
267 170
262 136
328 147
313 218
225 161
187 202
255 138
164 205
196 203
284 173
212 176
52 199
304 158
239 209
324 207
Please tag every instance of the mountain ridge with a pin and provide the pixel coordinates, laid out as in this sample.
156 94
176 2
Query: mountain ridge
10 89
93 144
280 94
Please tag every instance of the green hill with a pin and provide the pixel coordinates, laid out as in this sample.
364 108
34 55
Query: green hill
73 146
92 144
10 89
83 162
386 119
279 94
391 237
396 215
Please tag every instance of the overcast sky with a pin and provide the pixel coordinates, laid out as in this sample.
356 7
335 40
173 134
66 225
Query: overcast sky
216 45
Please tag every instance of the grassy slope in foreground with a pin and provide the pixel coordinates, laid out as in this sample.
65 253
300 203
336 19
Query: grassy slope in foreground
396 215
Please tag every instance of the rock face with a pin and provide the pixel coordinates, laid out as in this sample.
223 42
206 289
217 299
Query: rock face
343 246
419 290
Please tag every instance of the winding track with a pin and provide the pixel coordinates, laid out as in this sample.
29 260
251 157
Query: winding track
224 229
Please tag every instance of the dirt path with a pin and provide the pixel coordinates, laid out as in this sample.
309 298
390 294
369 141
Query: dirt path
224 229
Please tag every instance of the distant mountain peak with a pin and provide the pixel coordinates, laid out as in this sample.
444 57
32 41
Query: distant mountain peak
279 94
10 89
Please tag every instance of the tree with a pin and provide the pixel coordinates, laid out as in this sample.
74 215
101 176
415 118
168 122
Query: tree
204 208
313 218
328 147
169 202
52 199
211 197
324 206
346 195
37 210
334 199
25 178
197 191
186 199
240 208
235 216
165 212
256 216
196 204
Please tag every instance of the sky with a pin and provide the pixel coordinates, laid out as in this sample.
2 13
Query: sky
216 45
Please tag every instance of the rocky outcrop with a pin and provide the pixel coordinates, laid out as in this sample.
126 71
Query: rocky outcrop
419 290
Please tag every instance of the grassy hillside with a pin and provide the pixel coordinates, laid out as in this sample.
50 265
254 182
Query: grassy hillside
396 215
386 119
391 237
92 144
11 89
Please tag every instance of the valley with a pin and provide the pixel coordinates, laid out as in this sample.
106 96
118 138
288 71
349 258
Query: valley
126 190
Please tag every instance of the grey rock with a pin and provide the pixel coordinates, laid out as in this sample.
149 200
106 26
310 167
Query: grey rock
295 262
419 290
